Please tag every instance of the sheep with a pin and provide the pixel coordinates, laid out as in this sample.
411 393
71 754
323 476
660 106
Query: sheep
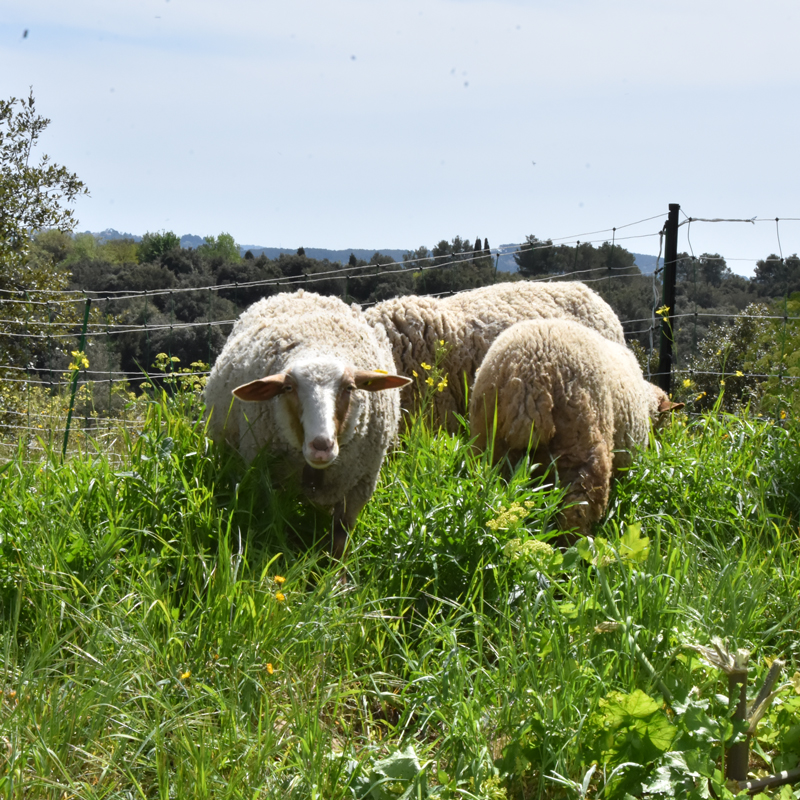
570 396
461 329
311 374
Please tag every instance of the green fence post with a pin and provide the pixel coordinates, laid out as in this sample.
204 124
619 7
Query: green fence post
75 377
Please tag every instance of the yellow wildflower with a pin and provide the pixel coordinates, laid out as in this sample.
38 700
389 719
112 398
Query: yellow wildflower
414 373
687 384
739 373
783 415
663 311
441 342
426 366
280 596
186 675
279 579
722 383
533 551
507 517
442 385
270 669
80 362
429 381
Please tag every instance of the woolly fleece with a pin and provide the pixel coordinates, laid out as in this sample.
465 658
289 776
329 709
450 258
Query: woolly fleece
574 397
266 339
468 323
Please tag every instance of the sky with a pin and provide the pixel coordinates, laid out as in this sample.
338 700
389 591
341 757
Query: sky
399 123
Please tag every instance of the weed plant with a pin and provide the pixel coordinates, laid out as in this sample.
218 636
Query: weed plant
172 627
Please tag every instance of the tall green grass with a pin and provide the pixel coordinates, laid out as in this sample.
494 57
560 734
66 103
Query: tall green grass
174 628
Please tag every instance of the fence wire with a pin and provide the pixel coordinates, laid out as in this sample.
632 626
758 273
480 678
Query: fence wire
36 425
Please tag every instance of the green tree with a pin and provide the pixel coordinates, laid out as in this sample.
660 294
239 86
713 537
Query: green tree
223 246
32 198
536 258
727 361
777 354
154 245
121 251
776 276
457 266
709 268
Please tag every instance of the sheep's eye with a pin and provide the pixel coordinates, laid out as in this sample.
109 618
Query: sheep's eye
287 388
348 387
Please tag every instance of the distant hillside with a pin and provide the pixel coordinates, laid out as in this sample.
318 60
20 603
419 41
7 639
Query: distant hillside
320 253
339 256
646 263
109 234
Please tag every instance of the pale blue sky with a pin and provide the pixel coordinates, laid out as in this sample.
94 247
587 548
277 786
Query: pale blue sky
397 123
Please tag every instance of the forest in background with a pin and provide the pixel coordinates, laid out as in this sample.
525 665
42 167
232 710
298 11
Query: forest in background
715 332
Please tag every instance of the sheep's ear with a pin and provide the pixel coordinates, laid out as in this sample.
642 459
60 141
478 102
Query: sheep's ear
262 389
377 381
667 405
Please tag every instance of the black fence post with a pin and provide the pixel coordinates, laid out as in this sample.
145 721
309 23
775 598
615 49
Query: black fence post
668 299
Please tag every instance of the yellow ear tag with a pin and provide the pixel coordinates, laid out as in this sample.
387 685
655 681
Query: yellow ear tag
382 371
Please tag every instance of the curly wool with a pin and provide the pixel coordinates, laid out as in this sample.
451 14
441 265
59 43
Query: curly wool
461 329
267 339
570 396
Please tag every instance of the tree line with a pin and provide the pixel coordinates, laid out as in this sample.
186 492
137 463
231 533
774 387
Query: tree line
179 319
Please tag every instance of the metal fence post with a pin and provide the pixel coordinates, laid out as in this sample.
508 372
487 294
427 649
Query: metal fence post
668 299
81 345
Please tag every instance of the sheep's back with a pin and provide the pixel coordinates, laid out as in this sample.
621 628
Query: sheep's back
548 372
417 328
487 312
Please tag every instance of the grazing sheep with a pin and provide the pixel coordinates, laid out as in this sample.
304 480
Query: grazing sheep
464 326
570 396
312 374
415 326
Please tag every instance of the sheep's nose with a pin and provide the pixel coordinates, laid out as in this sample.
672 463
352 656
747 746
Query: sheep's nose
322 444
321 452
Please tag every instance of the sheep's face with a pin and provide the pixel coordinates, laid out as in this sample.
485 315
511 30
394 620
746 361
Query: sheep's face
660 406
317 404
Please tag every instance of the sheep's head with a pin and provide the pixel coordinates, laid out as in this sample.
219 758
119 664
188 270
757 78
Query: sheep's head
318 403
660 405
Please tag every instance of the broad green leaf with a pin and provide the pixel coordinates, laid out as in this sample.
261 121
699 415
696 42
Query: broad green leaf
633 545
621 707
398 776
636 728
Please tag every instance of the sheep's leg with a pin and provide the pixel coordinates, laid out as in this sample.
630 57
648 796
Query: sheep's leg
338 540
346 512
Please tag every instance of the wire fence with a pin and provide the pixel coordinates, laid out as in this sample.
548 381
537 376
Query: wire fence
46 392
